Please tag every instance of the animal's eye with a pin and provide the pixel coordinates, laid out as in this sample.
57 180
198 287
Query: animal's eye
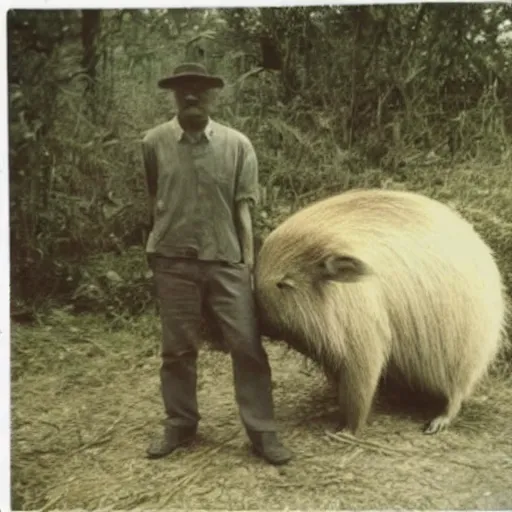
285 283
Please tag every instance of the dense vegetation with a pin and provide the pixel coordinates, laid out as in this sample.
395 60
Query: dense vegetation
332 97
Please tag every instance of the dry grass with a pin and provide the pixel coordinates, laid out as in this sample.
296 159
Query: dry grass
89 403
86 403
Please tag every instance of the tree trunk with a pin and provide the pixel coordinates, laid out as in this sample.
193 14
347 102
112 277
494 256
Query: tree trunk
91 28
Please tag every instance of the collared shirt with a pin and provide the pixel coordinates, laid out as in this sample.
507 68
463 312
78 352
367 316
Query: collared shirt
197 185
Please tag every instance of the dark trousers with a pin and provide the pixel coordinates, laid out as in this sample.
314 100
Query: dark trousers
183 288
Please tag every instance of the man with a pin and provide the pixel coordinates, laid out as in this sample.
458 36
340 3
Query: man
202 180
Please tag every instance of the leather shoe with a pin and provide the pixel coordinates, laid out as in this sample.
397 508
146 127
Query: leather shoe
268 446
173 438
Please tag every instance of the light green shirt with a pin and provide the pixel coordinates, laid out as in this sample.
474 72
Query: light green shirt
198 184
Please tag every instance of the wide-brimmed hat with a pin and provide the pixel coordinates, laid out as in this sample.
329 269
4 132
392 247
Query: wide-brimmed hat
188 71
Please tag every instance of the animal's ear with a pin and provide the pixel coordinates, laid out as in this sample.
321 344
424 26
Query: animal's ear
345 269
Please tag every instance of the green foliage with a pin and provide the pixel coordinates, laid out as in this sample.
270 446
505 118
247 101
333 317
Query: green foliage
332 98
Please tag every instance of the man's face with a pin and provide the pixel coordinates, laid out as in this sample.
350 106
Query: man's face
194 101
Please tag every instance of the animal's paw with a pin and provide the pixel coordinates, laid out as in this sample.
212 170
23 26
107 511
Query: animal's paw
345 428
437 425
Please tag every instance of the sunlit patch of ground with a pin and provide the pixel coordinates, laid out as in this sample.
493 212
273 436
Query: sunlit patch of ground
88 403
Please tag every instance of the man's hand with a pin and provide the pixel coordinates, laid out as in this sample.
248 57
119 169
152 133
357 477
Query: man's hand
249 264
251 274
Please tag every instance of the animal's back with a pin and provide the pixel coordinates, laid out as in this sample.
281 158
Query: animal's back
437 278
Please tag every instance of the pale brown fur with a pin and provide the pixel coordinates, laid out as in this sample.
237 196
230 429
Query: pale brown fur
369 277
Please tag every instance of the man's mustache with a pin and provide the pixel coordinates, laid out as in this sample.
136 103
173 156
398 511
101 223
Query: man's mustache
194 110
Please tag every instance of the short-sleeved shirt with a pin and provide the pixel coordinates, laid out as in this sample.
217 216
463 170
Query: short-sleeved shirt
198 186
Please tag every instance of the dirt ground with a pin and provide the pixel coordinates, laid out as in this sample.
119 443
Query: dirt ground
86 403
